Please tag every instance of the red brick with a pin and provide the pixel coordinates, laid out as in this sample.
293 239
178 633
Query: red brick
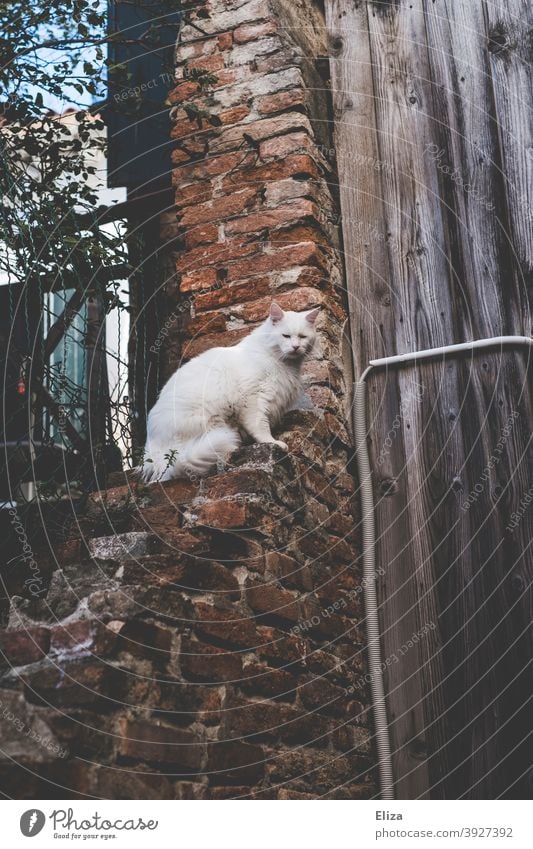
184 542
183 703
256 721
321 544
250 32
353 738
279 260
260 680
211 708
202 662
163 602
271 218
261 721
233 762
296 299
192 194
278 646
205 234
234 115
231 792
319 694
212 322
321 371
304 769
336 427
316 483
71 551
161 520
342 480
294 795
228 514
219 209
202 47
24 646
291 235
237 293
227 625
280 169
277 148
159 744
280 101
282 191
212 166
186 127
255 132
341 524
83 635
225 40
206 575
288 570
267 599
184 91
255 482
330 595
226 77
211 63
204 278
131 784
215 254
192 147
323 398
116 496
184 573
216 340
145 640
78 683
174 493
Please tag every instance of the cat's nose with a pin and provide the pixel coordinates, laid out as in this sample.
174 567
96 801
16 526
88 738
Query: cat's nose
295 347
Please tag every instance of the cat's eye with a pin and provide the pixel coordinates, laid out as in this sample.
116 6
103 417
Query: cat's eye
286 335
301 336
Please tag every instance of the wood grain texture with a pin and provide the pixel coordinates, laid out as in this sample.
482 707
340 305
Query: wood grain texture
488 300
414 90
508 31
367 247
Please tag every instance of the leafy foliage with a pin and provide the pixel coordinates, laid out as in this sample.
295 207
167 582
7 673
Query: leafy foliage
48 52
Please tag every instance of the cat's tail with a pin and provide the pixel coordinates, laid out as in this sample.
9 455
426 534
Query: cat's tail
189 459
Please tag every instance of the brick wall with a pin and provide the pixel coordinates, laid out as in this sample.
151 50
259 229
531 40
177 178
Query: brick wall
203 639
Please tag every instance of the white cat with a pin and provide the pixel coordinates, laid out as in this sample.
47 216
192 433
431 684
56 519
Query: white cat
210 401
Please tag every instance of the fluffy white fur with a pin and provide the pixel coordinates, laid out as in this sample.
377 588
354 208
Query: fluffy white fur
211 401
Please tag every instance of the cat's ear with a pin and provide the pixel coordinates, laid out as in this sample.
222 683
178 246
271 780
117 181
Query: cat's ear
276 313
312 315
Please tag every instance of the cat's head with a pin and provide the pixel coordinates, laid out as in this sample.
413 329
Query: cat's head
292 333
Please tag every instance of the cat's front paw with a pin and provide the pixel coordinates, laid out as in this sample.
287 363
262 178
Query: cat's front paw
282 445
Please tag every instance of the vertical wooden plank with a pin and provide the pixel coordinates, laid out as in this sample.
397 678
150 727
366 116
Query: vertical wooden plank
367 271
424 318
509 27
488 300
467 156
458 699
471 180
359 168
508 34
380 186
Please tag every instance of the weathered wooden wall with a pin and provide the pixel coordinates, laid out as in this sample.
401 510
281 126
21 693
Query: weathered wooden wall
433 122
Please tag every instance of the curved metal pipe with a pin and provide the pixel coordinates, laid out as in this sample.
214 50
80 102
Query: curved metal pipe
377 688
